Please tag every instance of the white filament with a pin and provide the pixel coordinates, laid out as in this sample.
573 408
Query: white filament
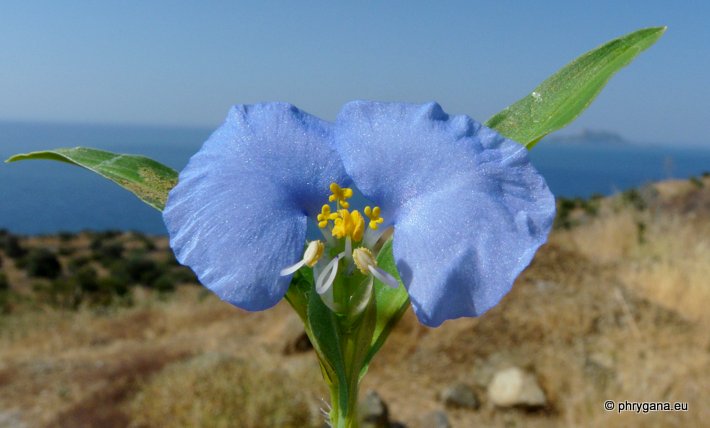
293 268
328 235
383 276
348 249
327 276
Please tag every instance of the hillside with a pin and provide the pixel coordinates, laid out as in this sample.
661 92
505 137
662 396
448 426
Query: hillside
106 330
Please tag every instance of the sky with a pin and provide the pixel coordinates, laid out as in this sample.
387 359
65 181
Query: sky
186 62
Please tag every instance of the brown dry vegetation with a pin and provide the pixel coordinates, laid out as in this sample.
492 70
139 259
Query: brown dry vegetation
613 307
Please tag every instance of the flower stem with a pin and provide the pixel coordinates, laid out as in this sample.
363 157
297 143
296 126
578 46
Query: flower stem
343 417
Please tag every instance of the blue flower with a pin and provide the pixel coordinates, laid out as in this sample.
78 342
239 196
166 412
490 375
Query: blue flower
469 210
467 207
238 213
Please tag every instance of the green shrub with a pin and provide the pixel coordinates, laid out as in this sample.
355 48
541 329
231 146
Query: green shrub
65 236
98 237
118 286
4 294
87 279
66 250
60 292
41 262
164 283
118 271
564 210
107 251
170 260
143 270
147 241
183 275
633 197
10 244
77 263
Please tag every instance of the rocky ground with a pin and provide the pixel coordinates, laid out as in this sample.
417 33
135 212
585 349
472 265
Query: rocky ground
614 307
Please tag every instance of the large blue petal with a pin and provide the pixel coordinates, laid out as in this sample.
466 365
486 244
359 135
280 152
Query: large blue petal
468 208
238 213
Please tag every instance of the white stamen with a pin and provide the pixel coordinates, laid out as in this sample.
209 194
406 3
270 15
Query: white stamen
362 297
323 284
328 235
329 300
370 238
348 249
348 256
383 276
313 252
293 268
375 239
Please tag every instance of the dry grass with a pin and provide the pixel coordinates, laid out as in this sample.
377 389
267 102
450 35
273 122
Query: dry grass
609 238
575 325
662 252
672 267
216 390
85 368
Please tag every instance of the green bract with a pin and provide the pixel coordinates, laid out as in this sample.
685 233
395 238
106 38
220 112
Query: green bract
563 96
149 180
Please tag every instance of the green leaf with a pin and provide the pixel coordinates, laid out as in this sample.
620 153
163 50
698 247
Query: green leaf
325 337
149 180
391 303
563 96
298 293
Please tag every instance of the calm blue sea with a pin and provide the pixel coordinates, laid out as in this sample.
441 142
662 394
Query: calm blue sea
46 197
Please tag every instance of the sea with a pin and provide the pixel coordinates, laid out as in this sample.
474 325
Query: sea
44 197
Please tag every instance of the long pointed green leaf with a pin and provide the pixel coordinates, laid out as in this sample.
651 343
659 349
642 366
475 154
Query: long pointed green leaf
149 180
563 96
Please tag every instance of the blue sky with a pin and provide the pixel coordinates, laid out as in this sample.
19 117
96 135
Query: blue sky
185 63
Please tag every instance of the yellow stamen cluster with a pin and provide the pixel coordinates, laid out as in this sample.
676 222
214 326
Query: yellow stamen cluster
347 223
374 215
325 215
350 224
340 194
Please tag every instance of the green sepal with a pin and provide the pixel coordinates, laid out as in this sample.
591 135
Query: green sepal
391 304
566 94
148 179
326 338
298 293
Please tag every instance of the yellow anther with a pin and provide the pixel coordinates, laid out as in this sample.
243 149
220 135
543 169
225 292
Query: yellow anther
349 224
313 253
374 215
325 215
342 226
340 194
363 259
358 226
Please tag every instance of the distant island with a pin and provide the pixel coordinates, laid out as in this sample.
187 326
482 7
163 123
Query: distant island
590 137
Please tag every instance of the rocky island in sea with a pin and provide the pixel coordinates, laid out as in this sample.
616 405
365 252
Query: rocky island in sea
589 137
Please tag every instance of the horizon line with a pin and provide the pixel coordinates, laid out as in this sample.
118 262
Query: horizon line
210 128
